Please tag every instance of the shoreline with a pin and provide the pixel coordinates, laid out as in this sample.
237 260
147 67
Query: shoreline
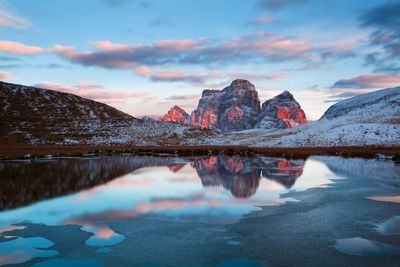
43 151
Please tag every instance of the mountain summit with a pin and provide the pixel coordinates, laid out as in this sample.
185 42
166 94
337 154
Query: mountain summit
237 108
281 112
234 108
176 114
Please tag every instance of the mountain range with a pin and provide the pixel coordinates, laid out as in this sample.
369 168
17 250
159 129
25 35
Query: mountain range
229 117
237 108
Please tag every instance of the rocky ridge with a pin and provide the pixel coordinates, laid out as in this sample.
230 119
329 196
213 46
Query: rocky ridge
237 108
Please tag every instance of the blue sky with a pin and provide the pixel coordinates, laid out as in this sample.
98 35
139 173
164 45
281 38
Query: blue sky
145 56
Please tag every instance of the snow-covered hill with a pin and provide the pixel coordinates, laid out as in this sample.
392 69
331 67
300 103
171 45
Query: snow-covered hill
370 119
30 115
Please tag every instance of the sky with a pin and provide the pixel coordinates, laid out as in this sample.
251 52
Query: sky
145 56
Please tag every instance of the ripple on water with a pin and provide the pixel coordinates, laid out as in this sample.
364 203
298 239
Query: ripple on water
358 246
103 250
240 262
68 263
390 226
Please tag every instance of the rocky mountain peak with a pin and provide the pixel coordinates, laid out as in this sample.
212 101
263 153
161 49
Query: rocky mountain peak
285 95
281 112
239 85
176 114
237 107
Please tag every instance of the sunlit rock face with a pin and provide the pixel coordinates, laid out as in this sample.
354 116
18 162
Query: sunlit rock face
206 114
237 108
176 114
234 108
281 112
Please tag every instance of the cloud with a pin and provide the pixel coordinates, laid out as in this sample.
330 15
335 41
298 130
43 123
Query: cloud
176 76
117 3
385 15
256 76
369 81
122 56
183 98
385 20
10 19
336 97
4 75
262 20
95 92
8 59
161 23
276 4
114 3
19 48
261 47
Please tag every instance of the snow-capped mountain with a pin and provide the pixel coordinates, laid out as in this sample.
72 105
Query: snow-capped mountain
370 119
36 116
31 115
385 98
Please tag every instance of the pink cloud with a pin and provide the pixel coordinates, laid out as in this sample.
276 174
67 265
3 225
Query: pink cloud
284 45
173 76
10 19
175 204
108 46
255 46
19 48
369 81
4 75
95 92
257 76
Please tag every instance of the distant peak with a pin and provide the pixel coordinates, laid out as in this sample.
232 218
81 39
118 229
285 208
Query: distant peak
285 94
176 108
240 85
241 82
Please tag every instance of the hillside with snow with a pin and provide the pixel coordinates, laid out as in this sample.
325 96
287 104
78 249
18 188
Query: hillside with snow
36 116
370 119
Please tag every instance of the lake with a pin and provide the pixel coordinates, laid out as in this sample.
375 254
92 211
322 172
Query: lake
222 210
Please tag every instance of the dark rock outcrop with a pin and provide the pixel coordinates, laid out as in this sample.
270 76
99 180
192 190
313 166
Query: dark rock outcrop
237 108
232 109
176 114
281 112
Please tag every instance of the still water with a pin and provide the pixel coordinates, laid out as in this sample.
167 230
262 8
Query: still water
171 211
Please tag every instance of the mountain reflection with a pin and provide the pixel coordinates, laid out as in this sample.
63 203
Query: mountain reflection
22 183
242 175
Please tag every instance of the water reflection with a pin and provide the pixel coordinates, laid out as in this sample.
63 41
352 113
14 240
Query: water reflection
390 226
241 176
363 247
22 183
94 192
21 250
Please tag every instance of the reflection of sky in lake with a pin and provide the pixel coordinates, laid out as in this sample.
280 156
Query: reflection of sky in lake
183 192
157 191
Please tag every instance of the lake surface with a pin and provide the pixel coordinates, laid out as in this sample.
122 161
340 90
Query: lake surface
200 211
